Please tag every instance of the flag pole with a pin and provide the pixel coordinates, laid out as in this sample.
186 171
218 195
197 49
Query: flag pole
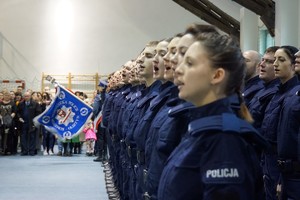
51 79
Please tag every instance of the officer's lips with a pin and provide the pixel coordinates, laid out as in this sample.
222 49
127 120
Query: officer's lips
142 67
174 64
155 68
167 67
297 66
179 84
262 71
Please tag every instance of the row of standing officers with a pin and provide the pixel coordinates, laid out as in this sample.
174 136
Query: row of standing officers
178 124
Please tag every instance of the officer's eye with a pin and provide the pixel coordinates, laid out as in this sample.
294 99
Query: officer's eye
182 51
281 59
162 53
149 55
173 50
267 61
188 62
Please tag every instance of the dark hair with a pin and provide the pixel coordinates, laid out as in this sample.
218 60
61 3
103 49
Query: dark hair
195 29
85 95
290 51
178 35
18 94
46 96
39 93
271 49
224 51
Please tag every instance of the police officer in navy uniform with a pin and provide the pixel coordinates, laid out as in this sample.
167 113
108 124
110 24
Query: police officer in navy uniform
143 131
145 61
288 143
261 99
167 130
253 83
107 111
216 160
123 177
128 107
97 108
122 89
284 70
168 92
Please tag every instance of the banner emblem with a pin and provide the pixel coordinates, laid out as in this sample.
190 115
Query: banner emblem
66 115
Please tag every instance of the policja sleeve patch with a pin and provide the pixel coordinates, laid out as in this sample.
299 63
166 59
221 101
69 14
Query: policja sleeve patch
223 174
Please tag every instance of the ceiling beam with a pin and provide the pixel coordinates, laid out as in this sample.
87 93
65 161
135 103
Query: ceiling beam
265 9
210 13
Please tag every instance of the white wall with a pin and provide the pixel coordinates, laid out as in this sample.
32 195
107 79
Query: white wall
87 36
287 22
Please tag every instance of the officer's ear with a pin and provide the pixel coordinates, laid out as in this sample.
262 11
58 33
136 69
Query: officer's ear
218 76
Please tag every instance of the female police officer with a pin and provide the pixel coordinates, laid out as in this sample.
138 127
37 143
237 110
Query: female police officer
284 71
216 160
167 130
288 131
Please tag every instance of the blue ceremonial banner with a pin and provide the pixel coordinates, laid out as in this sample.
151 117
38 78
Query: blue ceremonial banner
66 115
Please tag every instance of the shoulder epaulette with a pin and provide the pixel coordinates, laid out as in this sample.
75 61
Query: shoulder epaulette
147 98
227 123
180 109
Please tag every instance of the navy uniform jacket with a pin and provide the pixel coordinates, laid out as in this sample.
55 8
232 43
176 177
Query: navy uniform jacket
121 109
142 105
289 127
97 105
288 146
271 119
252 86
119 99
260 101
165 134
141 132
131 101
164 128
213 164
132 120
152 92
129 114
112 114
107 106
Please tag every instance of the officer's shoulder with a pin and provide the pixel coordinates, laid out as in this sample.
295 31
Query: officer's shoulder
180 109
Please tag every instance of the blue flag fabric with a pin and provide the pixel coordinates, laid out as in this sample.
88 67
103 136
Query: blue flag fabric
66 115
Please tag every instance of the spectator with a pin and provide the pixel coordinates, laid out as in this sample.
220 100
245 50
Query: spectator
90 138
26 111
